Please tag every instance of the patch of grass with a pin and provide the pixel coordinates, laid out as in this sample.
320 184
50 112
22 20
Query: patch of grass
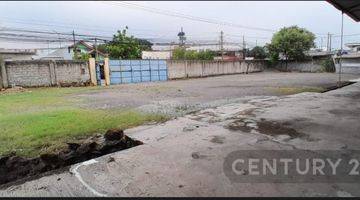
43 120
22 101
296 90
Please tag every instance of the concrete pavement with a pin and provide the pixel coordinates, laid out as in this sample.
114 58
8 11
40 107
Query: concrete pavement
184 156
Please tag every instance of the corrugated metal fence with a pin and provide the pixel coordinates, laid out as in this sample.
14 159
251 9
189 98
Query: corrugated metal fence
134 71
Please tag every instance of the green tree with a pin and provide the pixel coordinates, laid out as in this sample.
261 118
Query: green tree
258 52
179 53
291 42
145 45
191 55
82 57
206 55
183 54
123 46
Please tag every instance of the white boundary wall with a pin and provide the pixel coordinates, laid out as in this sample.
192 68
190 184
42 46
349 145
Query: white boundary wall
195 68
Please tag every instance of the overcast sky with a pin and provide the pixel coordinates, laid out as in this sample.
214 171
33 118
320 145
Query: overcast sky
105 18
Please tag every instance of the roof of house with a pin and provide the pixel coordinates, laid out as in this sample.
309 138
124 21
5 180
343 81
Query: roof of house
350 7
99 52
62 54
86 44
18 51
319 53
354 44
89 46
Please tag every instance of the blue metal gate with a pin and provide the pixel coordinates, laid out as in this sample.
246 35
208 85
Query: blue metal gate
98 72
134 71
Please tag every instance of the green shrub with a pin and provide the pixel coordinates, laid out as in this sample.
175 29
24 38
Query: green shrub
328 65
183 54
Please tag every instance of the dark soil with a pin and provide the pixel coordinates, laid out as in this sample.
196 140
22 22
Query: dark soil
217 139
266 127
240 124
337 86
13 168
275 128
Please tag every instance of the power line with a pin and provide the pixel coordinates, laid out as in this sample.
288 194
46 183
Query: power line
73 26
50 33
255 37
185 16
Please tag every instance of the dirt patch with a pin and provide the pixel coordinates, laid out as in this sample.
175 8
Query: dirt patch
74 84
248 112
15 89
275 128
239 125
272 128
217 139
14 167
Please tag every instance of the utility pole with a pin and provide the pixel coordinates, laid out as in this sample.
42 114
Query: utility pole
222 44
327 42
321 43
244 47
341 47
330 38
96 51
75 53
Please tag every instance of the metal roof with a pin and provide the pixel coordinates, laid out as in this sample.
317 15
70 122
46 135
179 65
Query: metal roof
18 51
349 7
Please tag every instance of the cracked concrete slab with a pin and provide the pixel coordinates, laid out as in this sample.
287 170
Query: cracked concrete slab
184 156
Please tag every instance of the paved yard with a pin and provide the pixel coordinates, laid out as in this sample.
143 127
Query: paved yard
42 120
180 96
185 156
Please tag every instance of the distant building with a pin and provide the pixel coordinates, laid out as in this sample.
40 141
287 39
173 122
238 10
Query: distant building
17 54
59 54
230 52
165 54
229 55
68 53
354 47
350 61
86 48
320 55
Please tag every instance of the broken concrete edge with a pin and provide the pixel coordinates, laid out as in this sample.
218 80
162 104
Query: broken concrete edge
14 168
338 86
355 80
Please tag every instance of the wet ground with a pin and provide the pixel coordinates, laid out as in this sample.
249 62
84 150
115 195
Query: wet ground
185 156
178 97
